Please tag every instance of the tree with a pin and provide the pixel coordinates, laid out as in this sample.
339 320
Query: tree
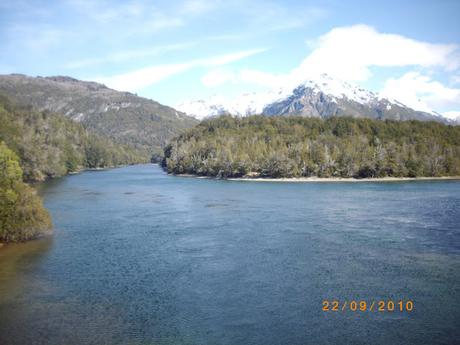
22 215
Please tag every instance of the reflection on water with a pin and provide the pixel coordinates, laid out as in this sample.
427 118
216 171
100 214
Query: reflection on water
139 257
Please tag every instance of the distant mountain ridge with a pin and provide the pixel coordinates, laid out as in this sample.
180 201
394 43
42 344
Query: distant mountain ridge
122 116
322 96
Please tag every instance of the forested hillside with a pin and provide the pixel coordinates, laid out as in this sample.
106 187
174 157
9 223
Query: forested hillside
22 215
123 117
333 147
50 145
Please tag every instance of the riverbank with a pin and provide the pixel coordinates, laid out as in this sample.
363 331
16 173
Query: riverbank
79 171
324 179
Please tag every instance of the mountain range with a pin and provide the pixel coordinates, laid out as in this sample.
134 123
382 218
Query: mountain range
121 116
147 125
322 96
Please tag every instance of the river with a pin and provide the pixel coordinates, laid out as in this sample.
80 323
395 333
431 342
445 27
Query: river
142 258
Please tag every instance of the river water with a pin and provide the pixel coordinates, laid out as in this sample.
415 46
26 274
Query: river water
139 257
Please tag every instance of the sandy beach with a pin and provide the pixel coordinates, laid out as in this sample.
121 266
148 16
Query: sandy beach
325 179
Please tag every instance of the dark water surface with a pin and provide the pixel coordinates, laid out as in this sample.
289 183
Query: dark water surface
139 257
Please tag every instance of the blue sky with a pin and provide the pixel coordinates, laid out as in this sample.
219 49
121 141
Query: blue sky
172 51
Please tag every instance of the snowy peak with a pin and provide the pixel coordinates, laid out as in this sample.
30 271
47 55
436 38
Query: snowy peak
244 105
201 109
318 96
255 103
340 89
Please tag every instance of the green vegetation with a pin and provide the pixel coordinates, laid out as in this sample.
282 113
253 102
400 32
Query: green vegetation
22 215
299 146
51 145
124 118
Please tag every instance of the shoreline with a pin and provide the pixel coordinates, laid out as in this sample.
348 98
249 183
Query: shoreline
79 171
48 234
324 179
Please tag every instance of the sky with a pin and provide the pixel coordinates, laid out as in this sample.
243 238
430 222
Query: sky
172 51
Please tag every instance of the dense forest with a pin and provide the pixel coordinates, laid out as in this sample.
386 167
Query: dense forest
22 215
297 146
50 145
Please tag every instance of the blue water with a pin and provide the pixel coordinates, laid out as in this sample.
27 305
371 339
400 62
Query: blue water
140 257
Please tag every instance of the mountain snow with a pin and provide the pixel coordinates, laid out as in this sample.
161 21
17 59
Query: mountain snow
336 90
243 105
254 103
340 89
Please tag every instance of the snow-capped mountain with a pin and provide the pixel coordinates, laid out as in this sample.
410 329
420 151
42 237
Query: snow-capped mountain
322 96
245 104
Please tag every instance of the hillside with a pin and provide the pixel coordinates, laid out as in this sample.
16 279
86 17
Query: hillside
302 147
50 145
121 116
322 96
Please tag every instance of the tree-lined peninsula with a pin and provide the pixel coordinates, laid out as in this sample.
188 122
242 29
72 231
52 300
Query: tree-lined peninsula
278 147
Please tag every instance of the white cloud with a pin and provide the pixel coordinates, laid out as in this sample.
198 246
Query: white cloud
421 92
141 78
218 77
129 54
261 78
350 52
228 58
89 25
152 51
